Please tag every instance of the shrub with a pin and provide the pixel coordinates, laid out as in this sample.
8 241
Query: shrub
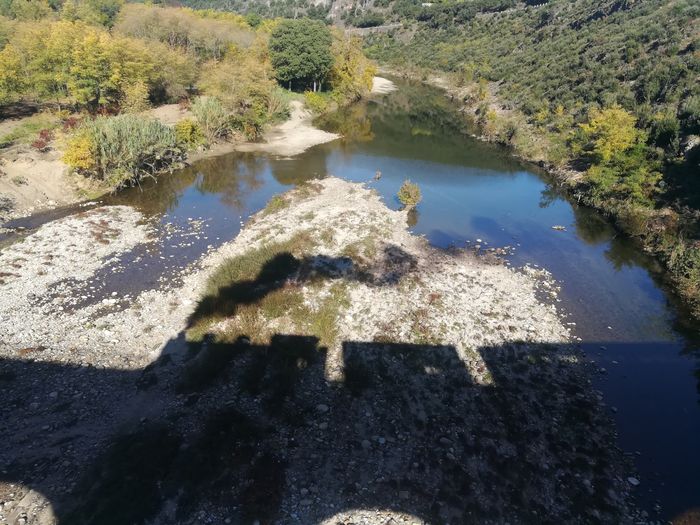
80 153
189 133
135 98
212 117
70 123
316 102
122 150
42 141
409 194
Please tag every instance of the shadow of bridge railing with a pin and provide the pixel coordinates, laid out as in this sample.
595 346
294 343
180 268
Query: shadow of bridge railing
265 436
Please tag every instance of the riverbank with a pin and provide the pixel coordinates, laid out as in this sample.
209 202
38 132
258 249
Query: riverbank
32 181
665 233
404 374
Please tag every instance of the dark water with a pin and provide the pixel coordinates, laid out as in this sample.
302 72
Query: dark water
628 323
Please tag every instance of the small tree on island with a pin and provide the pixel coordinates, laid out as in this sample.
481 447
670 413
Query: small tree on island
409 194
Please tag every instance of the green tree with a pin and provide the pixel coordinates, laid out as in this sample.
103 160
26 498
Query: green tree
300 52
25 9
623 167
11 81
352 73
90 81
97 12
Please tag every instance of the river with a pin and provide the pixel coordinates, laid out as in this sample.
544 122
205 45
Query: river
645 347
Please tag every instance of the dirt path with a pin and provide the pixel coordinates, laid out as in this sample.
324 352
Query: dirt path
292 137
382 85
32 181
443 388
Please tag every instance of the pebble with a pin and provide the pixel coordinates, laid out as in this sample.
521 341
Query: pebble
322 408
633 481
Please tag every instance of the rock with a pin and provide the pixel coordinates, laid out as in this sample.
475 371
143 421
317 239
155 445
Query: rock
322 408
366 444
633 481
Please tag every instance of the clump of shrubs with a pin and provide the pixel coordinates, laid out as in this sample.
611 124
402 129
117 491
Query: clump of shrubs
212 116
316 102
122 150
409 195
189 134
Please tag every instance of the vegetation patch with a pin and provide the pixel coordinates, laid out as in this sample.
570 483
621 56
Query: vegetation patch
409 194
122 150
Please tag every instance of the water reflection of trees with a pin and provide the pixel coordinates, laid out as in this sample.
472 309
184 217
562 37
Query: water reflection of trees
308 165
232 177
353 123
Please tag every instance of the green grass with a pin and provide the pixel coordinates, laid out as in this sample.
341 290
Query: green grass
277 203
248 268
256 295
27 131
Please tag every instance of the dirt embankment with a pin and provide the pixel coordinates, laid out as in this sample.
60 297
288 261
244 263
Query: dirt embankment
342 370
31 181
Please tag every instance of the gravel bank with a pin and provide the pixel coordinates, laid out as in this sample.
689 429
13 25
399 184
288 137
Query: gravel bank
448 392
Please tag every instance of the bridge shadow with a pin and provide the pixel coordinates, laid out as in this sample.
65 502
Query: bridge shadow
215 431
268 438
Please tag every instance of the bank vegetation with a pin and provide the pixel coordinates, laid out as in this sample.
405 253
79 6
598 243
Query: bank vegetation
90 66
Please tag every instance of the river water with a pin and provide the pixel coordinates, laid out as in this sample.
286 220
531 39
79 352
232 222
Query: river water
646 348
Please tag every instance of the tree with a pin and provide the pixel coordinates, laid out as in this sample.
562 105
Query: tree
610 131
11 81
97 12
25 9
623 167
300 51
352 73
90 73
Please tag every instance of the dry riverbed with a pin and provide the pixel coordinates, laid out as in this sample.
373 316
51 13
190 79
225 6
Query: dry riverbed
339 370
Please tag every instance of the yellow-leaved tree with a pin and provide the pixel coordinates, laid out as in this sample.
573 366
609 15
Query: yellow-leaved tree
352 72
610 131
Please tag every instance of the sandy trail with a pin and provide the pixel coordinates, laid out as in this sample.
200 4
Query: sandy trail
292 137
382 86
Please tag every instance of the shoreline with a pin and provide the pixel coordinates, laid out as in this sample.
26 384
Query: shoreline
44 182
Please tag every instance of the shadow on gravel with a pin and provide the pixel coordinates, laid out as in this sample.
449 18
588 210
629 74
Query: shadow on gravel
270 439
259 433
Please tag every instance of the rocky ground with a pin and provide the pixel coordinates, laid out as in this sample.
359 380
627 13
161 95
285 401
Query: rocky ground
338 370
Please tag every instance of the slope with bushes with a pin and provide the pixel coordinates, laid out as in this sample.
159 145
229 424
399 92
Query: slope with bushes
607 94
